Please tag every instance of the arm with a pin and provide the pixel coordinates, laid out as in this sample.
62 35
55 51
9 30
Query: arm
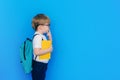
37 47
39 51
49 35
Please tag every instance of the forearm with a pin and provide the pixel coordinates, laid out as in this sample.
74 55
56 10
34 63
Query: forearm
50 38
49 35
40 51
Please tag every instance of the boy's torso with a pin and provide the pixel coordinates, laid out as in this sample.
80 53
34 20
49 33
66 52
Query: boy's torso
37 58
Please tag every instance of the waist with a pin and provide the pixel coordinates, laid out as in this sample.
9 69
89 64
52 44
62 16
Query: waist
34 61
43 60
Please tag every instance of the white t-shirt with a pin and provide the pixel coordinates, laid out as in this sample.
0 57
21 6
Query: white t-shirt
37 44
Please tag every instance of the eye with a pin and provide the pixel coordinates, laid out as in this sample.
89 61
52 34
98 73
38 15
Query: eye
48 25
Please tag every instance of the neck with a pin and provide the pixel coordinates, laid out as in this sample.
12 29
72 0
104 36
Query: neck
40 31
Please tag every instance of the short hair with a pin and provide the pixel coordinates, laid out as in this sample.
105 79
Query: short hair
39 19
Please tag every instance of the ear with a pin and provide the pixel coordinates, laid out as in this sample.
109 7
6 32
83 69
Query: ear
39 27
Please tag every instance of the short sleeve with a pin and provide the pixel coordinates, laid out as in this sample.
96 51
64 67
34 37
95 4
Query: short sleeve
37 41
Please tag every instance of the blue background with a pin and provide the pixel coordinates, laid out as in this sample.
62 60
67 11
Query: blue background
86 38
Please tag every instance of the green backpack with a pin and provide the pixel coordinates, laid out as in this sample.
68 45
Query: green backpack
26 55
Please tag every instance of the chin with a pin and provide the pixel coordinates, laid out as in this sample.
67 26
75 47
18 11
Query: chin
45 32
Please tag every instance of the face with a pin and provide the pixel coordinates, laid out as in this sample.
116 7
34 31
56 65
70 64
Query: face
45 27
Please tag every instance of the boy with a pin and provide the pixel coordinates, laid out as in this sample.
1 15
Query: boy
40 24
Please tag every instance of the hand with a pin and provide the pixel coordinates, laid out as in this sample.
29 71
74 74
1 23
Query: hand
50 49
49 33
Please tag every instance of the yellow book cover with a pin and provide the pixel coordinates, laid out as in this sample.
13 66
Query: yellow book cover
45 45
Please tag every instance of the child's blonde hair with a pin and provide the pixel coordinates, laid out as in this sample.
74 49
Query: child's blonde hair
39 19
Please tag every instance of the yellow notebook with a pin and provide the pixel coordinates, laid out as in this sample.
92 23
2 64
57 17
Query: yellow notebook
45 45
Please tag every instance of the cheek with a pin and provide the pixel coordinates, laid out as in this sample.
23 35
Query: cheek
47 28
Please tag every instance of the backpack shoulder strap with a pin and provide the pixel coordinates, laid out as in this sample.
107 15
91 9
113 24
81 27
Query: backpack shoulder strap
35 35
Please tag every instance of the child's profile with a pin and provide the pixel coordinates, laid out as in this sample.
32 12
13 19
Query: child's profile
41 25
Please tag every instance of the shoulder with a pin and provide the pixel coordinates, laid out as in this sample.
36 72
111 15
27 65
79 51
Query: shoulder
37 38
